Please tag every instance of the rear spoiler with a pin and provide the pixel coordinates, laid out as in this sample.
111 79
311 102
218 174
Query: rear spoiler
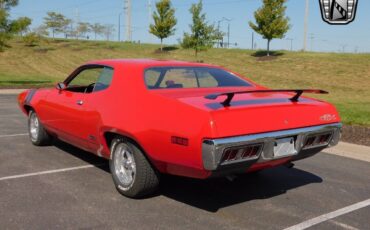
298 93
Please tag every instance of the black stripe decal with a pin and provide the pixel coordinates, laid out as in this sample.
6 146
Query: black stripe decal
29 96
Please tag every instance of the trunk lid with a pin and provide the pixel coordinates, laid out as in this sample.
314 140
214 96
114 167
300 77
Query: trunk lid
259 112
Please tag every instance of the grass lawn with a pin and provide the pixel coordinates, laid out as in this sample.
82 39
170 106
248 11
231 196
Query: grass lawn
345 76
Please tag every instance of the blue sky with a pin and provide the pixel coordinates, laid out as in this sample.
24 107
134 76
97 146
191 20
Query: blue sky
348 38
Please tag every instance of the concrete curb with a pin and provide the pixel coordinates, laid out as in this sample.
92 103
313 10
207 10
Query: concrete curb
11 91
358 152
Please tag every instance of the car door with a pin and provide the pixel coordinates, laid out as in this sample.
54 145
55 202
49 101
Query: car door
66 108
94 104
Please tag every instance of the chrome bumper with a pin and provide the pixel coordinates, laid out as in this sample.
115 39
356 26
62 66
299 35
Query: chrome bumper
213 149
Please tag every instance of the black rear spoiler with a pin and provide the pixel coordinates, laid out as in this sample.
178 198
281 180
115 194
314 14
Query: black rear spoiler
298 93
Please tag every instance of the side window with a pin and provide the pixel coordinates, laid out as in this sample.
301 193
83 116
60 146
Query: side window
91 80
85 78
151 77
104 80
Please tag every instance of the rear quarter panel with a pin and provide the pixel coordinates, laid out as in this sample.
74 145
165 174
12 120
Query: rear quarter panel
151 120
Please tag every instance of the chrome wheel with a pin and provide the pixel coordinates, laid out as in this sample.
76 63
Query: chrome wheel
124 165
34 126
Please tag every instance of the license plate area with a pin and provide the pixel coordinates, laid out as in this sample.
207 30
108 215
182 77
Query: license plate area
284 147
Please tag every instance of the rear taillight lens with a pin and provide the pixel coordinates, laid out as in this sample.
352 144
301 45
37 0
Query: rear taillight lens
241 153
317 140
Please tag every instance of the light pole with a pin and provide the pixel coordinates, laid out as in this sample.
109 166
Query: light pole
252 40
119 26
291 43
312 37
228 30
305 27
218 30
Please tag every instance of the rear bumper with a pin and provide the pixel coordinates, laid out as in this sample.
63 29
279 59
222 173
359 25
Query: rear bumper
213 149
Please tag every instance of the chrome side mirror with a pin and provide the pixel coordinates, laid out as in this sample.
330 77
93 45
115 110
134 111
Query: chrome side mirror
60 86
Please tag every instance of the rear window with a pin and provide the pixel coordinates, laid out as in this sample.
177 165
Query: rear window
190 77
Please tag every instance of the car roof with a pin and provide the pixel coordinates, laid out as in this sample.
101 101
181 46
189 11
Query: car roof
145 63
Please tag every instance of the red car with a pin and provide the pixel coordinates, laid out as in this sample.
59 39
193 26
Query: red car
190 119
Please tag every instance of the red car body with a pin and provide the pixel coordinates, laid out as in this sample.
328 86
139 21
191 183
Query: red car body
177 127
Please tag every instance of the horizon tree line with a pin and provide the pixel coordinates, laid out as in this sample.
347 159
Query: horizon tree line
270 18
59 24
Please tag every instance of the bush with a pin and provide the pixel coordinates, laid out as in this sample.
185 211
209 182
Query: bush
4 37
31 39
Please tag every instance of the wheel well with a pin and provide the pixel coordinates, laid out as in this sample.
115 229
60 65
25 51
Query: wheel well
27 108
109 136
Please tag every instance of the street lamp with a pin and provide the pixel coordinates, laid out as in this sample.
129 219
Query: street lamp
305 26
119 26
291 43
218 30
228 30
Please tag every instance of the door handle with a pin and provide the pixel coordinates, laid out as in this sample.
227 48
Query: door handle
80 102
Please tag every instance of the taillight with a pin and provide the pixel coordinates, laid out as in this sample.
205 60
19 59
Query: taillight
241 153
317 140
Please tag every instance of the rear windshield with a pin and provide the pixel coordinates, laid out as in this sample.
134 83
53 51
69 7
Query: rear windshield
190 77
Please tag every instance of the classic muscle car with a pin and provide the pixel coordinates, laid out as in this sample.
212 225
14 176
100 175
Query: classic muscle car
150 117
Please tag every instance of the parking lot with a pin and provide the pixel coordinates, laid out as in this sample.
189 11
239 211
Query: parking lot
63 187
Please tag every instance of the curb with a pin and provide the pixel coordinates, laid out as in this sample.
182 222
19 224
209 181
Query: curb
11 91
344 149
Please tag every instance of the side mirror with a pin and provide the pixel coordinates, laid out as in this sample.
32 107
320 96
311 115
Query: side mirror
60 86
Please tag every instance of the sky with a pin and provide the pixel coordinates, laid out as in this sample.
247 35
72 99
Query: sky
354 37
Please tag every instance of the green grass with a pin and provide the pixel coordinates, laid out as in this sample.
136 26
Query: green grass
345 76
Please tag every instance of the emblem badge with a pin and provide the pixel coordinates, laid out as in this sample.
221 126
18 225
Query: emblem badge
338 12
328 117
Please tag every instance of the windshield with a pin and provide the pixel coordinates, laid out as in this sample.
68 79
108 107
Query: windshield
190 77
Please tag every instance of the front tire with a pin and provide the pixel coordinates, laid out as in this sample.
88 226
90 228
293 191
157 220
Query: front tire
36 131
132 174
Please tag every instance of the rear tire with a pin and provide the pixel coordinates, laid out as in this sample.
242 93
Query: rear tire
36 131
132 174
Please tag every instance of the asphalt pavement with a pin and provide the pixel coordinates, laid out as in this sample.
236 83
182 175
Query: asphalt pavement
62 187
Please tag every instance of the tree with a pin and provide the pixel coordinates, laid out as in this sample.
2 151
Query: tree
82 29
5 33
67 27
202 36
56 22
41 31
21 25
7 4
164 21
108 31
97 29
271 21
8 27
